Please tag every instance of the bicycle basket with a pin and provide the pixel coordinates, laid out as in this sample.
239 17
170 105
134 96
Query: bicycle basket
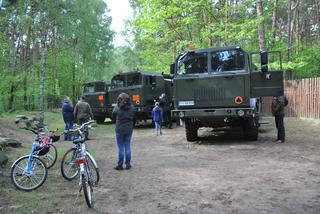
55 138
42 150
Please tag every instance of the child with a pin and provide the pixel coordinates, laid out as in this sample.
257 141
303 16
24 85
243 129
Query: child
157 116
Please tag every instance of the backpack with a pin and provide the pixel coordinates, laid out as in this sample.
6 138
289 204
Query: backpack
286 102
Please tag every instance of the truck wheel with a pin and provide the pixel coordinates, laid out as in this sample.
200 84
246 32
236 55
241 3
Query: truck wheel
191 130
100 119
250 132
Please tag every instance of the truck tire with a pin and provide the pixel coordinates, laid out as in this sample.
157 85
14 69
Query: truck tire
100 120
250 131
191 130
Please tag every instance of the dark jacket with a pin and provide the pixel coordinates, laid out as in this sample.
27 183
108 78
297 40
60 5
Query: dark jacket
157 114
82 111
123 115
67 112
277 106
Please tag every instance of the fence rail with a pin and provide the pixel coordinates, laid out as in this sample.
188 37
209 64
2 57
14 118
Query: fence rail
303 96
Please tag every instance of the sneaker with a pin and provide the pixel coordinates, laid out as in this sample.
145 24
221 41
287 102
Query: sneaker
118 168
128 167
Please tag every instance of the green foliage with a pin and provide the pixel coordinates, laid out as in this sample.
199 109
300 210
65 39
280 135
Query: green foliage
79 48
162 29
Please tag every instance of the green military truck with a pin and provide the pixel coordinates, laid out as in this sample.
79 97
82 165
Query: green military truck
97 95
144 88
222 88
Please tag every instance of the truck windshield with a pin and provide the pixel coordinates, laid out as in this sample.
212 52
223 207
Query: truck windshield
117 82
94 87
228 60
88 88
100 87
193 63
134 79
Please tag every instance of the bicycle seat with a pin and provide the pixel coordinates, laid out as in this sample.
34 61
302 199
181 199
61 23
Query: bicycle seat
78 140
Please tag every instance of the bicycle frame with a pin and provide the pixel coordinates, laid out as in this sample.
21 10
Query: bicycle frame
30 155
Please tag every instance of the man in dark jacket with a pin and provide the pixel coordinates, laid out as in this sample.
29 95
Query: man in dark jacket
123 114
67 113
82 113
277 108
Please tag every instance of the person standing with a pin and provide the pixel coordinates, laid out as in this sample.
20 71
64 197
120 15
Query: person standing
277 108
82 113
123 114
166 107
68 118
157 116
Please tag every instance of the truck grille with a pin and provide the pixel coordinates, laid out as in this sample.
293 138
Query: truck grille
209 94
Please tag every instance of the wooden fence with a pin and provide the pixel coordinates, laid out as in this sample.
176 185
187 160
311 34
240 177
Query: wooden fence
303 96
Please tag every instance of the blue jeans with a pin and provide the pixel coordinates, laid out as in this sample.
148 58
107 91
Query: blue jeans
158 127
124 142
69 125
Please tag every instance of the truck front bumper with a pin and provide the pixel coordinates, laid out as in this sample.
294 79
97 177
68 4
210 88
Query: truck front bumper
205 113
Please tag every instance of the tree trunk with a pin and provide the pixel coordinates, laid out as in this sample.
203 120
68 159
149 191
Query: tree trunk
274 22
262 40
318 16
26 68
298 30
42 78
289 32
13 87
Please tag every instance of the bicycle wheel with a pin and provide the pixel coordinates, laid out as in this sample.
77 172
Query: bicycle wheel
69 168
93 170
51 157
87 189
28 181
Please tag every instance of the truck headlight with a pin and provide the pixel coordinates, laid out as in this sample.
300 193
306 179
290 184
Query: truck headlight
181 114
240 113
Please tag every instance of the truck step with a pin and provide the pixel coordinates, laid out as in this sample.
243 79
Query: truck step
264 122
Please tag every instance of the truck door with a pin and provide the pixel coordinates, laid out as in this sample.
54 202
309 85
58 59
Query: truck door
266 80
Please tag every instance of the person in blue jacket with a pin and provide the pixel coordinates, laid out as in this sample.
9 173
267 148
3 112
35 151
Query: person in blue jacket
157 116
68 118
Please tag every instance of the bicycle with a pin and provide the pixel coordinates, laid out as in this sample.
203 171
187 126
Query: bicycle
78 161
49 155
29 172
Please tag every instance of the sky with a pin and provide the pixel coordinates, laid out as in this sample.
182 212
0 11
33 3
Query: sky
120 10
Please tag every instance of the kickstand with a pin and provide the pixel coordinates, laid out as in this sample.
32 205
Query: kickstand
75 201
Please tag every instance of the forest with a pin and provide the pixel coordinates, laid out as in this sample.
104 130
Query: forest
50 48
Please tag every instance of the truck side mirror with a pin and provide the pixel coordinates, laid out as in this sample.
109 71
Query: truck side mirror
172 68
264 61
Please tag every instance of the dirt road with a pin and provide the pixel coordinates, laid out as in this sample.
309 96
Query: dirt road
218 174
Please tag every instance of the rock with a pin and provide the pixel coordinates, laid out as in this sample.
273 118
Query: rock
8 142
13 143
3 142
24 124
2 135
3 159
21 116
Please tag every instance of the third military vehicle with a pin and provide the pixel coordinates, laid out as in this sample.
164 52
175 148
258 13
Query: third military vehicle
96 94
222 87
144 88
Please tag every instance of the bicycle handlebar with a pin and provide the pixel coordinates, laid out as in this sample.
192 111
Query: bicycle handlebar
84 125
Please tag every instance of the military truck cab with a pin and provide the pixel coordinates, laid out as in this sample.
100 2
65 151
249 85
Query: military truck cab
143 88
96 94
221 87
